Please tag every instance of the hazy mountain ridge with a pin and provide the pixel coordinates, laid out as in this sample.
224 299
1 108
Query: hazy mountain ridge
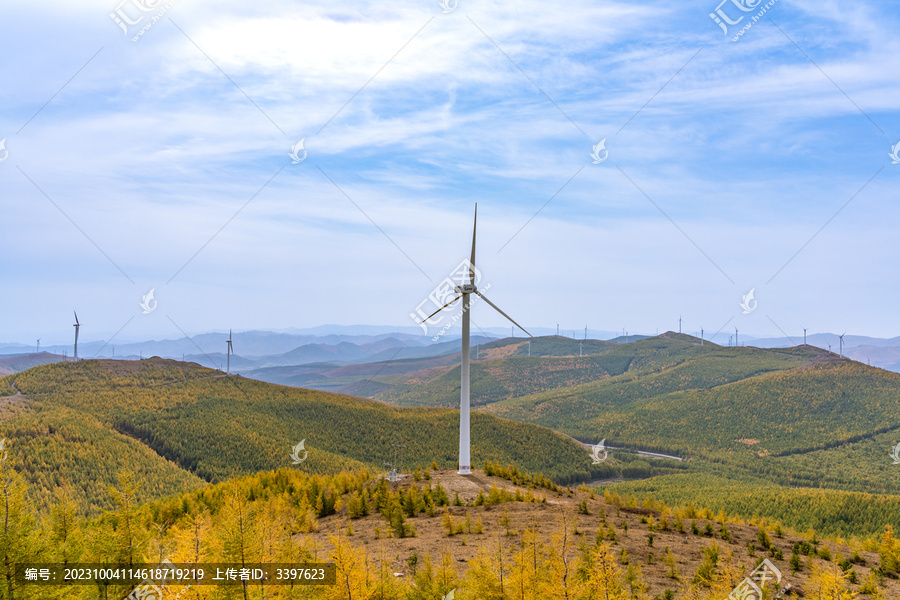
264 349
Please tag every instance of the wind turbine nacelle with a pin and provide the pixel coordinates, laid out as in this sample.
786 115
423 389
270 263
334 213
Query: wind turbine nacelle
468 288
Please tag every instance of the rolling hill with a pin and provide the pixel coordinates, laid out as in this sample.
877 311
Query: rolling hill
180 425
796 416
20 362
380 374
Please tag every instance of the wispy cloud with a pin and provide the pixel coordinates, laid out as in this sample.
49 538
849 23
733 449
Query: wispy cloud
749 148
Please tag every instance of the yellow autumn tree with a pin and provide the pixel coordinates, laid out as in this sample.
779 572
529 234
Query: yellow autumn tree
562 574
238 540
889 550
828 582
16 527
353 581
488 574
388 587
529 577
605 576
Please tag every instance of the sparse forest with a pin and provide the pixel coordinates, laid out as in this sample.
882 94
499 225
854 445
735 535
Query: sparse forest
583 547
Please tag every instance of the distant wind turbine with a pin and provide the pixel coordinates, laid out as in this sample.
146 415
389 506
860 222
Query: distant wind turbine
841 338
465 291
77 326
228 354
804 336
38 351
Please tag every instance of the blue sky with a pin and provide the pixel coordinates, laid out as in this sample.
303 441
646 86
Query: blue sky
164 163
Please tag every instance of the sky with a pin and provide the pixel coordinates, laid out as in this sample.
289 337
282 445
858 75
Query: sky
153 145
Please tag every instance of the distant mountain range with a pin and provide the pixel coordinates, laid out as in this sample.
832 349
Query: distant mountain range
257 353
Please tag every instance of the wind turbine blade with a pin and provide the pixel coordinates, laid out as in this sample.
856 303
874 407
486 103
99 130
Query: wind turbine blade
442 308
472 259
495 307
76 318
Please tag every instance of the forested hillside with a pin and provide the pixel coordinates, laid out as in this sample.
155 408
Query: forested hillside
792 417
636 370
179 425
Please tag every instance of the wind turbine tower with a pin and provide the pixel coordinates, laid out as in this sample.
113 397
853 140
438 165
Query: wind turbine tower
735 337
77 326
465 292
701 336
228 353
804 336
38 351
841 339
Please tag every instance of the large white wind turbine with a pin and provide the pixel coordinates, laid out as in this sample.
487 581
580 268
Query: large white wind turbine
465 291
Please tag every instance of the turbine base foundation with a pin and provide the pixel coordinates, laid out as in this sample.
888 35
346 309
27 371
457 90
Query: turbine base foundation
464 471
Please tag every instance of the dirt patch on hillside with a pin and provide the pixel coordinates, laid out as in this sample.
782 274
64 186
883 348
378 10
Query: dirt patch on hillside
426 375
11 406
498 353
